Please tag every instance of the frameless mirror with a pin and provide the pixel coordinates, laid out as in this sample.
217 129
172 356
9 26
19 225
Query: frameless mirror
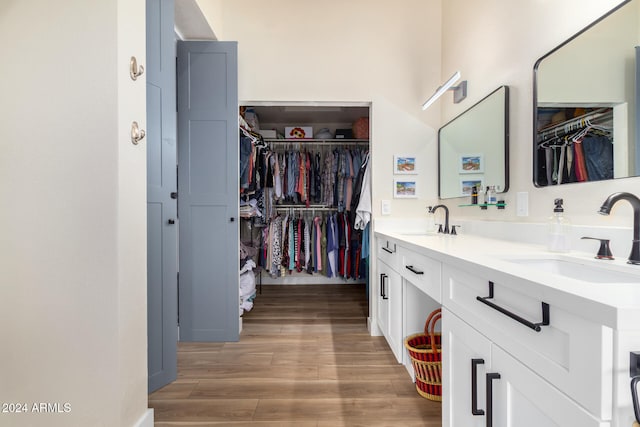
473 148
585 103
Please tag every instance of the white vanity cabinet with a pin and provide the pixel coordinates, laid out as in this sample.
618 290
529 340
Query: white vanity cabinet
527 349
563 364
408 289
389 297
485 386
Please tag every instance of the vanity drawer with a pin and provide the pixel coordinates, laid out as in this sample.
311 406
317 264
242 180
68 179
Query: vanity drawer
423 272
573 353
387 251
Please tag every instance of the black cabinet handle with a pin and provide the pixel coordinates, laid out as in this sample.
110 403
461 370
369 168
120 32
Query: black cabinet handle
383 287
490 377
535 326
387 250
474 386
383 294
413 270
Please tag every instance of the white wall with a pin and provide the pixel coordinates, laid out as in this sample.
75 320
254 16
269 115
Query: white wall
497 42
382 52
73 250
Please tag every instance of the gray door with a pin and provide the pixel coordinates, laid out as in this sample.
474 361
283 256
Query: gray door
208 163
162 228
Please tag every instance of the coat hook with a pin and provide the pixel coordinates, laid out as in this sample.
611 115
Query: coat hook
134 70
137 134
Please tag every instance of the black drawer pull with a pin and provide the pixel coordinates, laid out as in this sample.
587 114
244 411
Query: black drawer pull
535 326
413 270
387 250
474 386
384 290
490 377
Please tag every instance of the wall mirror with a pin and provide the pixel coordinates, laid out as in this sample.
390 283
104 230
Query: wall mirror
586 103
473 148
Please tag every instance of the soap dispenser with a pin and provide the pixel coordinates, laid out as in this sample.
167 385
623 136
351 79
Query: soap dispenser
559 229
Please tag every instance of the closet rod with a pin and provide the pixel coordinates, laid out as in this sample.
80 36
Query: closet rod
575 123
310 208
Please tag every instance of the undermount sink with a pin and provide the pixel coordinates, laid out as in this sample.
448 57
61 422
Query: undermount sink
416 233
575 269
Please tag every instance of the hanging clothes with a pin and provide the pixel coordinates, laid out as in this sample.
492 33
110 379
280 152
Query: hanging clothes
363 211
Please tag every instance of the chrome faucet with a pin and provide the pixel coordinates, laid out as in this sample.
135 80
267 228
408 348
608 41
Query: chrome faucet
605 209
446 216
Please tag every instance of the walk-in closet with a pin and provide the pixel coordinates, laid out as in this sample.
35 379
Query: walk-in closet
305 197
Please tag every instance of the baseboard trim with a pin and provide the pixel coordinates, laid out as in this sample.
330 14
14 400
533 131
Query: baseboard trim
372 326
146 420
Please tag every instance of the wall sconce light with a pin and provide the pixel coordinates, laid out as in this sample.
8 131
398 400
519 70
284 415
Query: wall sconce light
459 92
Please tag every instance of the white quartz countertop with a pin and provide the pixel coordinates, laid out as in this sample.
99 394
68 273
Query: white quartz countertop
615 303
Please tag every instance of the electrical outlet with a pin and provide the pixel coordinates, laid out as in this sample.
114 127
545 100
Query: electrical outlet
522 203
386 207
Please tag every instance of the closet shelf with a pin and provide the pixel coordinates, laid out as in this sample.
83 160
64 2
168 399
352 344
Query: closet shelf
309 141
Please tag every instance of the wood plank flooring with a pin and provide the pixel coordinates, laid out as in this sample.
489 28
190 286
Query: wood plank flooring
304 359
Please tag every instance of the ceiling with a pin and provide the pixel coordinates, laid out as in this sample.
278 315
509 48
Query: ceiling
190 23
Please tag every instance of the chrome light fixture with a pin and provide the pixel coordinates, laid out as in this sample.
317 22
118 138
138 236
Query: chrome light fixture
459 92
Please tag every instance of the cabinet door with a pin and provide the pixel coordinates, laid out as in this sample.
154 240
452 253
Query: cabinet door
393 288
382 298
390 307
520 398
466 358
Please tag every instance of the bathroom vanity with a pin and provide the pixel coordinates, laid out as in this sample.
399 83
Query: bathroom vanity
530 338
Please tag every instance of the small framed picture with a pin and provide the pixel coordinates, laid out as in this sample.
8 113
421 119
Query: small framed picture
467 183
471 163
404 165
404 188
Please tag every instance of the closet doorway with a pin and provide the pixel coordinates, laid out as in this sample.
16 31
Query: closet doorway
330 142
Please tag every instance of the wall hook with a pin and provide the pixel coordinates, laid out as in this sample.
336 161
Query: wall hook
137 134
134 70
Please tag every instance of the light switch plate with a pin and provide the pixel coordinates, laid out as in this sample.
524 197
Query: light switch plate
522 203
386 207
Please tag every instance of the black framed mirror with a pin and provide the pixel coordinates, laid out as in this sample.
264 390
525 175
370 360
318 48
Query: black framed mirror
473 148
585 103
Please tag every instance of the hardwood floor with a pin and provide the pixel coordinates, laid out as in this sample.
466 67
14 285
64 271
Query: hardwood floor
304 359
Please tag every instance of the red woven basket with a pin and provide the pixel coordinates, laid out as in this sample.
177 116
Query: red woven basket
426 357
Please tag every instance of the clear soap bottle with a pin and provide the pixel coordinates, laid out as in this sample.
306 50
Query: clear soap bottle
559 229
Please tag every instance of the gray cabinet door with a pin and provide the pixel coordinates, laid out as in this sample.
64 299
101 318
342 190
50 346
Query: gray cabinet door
208 163
162 228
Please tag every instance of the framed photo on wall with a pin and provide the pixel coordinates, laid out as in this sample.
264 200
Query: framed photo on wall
471 163
404 165
404 188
